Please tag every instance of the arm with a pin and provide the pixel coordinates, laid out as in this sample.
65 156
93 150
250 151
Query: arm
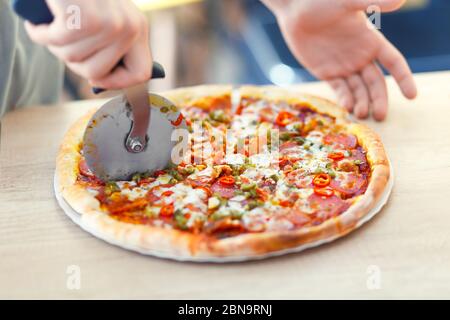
333 40
109 31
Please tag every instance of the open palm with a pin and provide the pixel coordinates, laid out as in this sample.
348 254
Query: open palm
335 42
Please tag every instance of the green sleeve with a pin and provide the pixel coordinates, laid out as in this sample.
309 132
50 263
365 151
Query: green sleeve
29 74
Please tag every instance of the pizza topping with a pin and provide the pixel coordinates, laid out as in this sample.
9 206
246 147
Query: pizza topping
287 203
84 169
86 176
341 140
321 180
324 191
178 121
359 158
336 156
326 207
225 191
213 203
349 184
318 172
181 220
219 116
299 178
284 118
255 220
111 187
167 193
206 190
227 181
287 222
263 195
124 205
347 165
167 210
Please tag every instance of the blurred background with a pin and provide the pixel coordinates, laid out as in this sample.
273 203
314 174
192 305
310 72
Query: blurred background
238 41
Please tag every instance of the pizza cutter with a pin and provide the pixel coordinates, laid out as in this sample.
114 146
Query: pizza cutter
129 134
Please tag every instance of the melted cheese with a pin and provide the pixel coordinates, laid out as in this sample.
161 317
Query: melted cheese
312 156
135 193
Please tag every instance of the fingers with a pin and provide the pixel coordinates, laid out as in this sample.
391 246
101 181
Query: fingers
57 33
397 66
361 96
137 66
102 62
82 50
110 30
343 92
374 80
360 92
353 94
384 5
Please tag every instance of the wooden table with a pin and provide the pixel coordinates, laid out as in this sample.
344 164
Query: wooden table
408 243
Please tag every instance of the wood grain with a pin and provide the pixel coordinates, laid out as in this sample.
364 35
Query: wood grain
409 241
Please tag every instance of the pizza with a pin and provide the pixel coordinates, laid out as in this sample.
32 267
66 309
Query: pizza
317 180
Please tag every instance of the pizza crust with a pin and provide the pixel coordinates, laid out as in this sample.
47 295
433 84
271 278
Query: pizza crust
188 96
184 245
273 93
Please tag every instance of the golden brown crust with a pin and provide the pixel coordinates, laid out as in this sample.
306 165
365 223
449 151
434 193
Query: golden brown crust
291 96
182 245
187 96
379 164
67 168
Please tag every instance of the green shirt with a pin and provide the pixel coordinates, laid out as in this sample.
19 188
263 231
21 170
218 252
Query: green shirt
29 74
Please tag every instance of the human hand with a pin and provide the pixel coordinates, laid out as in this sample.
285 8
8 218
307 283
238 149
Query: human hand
334 41
109 31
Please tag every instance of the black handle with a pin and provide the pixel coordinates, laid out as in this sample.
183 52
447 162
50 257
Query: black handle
157 73
37 12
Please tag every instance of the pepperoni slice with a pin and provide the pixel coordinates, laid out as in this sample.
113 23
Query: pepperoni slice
299 178
84 169
268 184
223 191
87 176
288 145
298 219
345 140
200 181
326 207
267 114
358 154
151 197
351 185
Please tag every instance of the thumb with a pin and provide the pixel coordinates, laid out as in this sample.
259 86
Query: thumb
384 5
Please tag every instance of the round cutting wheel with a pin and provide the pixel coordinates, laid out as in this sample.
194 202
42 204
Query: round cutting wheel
104 139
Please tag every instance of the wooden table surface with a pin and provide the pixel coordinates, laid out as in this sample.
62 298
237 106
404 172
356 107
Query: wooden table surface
404 252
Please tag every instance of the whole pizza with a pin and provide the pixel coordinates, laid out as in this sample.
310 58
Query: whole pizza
272 171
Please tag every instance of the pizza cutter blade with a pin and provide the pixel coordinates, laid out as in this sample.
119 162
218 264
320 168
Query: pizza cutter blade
109 148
